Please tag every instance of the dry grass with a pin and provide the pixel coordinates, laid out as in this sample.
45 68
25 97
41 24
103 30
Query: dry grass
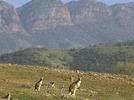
19 81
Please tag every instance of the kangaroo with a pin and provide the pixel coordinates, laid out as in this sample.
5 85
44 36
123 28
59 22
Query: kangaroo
74 86
39 84
52 84
7 97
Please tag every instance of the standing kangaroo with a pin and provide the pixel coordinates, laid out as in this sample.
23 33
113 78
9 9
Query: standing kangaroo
39 84
74 86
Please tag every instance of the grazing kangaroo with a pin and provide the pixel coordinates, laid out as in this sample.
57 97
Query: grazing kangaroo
39 84
7 97
74 86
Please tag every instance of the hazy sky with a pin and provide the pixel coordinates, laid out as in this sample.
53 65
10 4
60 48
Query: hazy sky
21 2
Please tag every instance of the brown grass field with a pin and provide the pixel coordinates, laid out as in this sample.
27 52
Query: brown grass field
19 80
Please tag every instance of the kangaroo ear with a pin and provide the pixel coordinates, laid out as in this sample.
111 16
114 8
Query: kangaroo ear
42 78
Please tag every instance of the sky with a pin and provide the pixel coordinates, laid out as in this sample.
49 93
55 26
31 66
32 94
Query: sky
18 3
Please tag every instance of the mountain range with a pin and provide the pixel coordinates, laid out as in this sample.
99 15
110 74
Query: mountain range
53 24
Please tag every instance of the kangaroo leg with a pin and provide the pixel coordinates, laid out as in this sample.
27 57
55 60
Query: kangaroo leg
70 93
39 88
74 92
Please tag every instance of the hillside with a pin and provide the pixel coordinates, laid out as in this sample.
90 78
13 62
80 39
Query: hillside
19 81
104 58
38 56
112 58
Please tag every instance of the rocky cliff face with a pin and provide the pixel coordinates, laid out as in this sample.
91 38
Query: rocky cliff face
44 14
111 23
52 24
123 15
78 23
84 11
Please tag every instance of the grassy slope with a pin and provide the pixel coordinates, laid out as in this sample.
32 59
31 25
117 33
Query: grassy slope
19 80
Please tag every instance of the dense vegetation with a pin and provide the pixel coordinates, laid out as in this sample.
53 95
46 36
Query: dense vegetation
38 56
103 58
117 58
